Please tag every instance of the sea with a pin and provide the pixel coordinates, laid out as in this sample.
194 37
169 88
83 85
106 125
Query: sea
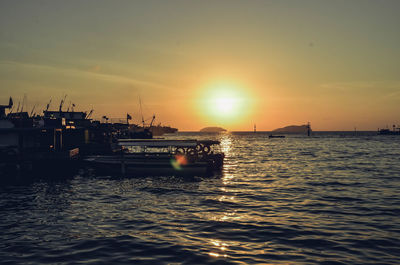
331 198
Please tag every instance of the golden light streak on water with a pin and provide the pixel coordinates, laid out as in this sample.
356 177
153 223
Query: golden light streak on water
230 216
221 245
226 143
226 198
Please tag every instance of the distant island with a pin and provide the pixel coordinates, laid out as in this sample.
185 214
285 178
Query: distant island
213 129
293 129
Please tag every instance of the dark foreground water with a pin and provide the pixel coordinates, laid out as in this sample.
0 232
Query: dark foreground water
329 199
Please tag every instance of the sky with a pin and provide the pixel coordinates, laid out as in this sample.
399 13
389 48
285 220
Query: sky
335 64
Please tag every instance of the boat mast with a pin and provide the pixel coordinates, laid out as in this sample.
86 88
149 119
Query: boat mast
19 102
141 111
48 105
34 106
23 102
70 102
152 120
62 102
90 114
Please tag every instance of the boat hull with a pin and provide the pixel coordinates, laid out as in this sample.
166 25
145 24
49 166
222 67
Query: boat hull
152 166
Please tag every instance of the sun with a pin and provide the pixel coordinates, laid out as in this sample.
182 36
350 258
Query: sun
223 104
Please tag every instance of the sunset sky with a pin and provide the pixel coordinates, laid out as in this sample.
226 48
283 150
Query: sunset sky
208 63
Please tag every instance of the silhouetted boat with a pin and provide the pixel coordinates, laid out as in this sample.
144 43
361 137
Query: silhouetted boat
276 136
27 146
395 131
54 140
161 157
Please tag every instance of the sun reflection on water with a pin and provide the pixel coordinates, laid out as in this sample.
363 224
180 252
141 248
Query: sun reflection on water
221 248
226 143
227 179
217 255
226 148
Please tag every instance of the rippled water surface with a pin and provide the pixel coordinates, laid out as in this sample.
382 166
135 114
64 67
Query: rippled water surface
327 199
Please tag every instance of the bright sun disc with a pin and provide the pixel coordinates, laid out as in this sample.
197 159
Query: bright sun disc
223 104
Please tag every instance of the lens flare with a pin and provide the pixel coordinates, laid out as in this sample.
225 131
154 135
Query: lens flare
178 161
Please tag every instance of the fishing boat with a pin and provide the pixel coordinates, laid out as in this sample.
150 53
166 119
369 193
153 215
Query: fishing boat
160 157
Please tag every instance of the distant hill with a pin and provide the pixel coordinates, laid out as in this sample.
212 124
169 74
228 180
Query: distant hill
293 129
213 129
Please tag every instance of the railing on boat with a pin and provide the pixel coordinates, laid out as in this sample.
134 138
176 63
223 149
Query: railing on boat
174 146
165 143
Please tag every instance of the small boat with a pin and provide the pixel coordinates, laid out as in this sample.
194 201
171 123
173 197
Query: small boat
159 157
276 136
389 132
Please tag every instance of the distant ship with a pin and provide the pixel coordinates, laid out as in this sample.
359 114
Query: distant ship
395 131
155 130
